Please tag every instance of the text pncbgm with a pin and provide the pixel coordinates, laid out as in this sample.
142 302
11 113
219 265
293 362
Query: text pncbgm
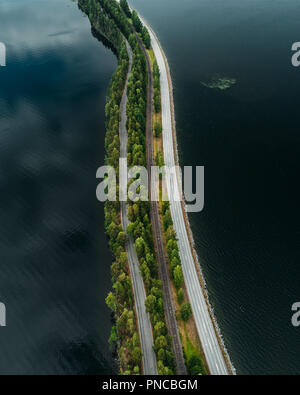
172 384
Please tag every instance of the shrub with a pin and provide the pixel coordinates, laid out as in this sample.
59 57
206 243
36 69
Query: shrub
186 311
180 296
158 129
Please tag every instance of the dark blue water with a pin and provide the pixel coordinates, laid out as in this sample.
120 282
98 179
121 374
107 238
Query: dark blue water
248 139
54 259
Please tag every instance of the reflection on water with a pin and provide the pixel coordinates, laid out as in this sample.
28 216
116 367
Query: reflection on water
54 259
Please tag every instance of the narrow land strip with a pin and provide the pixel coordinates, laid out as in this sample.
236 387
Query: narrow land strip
157 232
206 330
146 336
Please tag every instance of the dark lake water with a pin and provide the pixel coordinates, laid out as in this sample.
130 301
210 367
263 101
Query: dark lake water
54 259
248 139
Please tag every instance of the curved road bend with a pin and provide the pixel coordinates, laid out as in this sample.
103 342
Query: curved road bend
157 231
207 334
146 336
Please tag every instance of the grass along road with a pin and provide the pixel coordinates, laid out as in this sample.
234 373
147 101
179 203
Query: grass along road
144 325
212 349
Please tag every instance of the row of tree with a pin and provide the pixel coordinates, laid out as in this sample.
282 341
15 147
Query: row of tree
142 30
156 85
101 22
125 7
193 358
114 10
140 227
121 300
124 334
136 106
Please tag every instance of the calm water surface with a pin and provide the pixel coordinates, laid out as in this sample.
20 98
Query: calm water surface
53 254
248 139
54 259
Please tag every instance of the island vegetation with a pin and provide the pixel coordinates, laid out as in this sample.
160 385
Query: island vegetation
121 301
193 357
218 82
124 334
116 21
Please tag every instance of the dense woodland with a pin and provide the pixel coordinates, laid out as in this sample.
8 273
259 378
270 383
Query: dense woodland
121 300
193 358
156 86
139 212
115 22
124 334
102 22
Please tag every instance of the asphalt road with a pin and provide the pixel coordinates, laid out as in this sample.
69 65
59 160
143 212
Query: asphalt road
145 330
169 308
206 330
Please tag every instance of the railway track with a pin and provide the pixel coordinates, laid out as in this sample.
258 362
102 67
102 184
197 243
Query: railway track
157 230
143 318
215 353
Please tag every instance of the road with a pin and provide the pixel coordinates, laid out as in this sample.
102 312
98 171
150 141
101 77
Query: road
207 334
169 308
144 324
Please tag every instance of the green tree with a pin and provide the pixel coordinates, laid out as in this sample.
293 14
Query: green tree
136 22
125 7
161 342
113 338
131 228
158 129
159 160
146 37
140 246
111 301
113 230
195 365
186 311
130 327
136 355
146 274
175 261
178 277
135 340
121 239
123 259
150 303
161 354
122 321
167 219
159 329
157 101
180 296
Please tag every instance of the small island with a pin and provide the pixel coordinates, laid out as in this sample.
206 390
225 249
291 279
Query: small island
221 83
